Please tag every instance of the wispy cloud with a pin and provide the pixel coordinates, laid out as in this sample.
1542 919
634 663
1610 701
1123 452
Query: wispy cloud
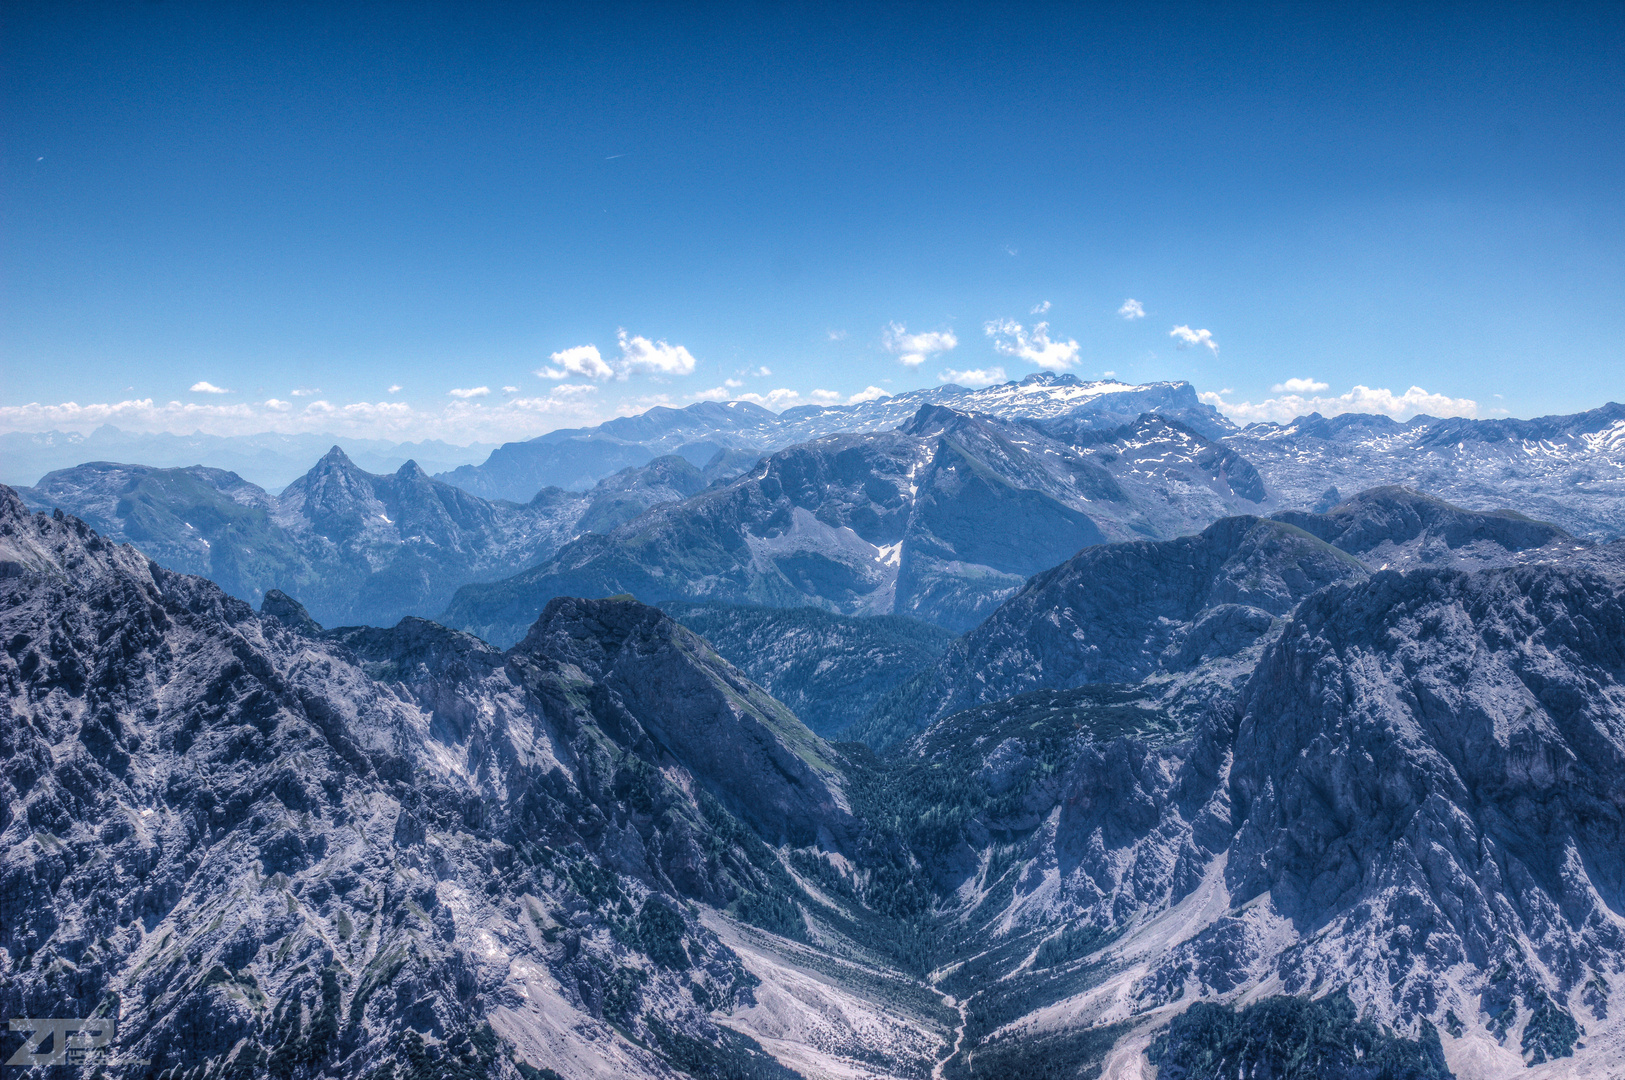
307 391
1185 337
573 390
1297 386
201 387
394 388
733 384
836 335
1034 346
760 373
912 350
975 378
1361 399
1132 309
1040 309
510 389
471 392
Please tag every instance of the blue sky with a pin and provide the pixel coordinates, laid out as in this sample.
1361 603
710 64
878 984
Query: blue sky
308 205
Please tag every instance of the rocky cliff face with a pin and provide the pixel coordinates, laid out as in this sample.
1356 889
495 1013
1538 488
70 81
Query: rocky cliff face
1399 528
1186 608
268 852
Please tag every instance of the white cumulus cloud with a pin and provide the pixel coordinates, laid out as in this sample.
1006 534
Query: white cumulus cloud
470 392
654 357
975 378
278 406
1361 399
1185 337
639 355
912 350
1034 346
732 384
510 389
582 360
394 388
868 393
825 397
1297 386
1132 309
201 387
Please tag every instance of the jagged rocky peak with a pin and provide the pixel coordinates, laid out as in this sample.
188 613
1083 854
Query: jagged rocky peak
56 544
289 612
412 473
932 420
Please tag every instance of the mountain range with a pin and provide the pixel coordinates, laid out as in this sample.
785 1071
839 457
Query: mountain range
577 457
360 547
938 520
1054 742
269 459
1390 797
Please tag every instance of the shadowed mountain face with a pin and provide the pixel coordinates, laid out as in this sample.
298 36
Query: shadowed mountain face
1412 793
356 546
1120 613
1401 528
1181 608
831 670
939 520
